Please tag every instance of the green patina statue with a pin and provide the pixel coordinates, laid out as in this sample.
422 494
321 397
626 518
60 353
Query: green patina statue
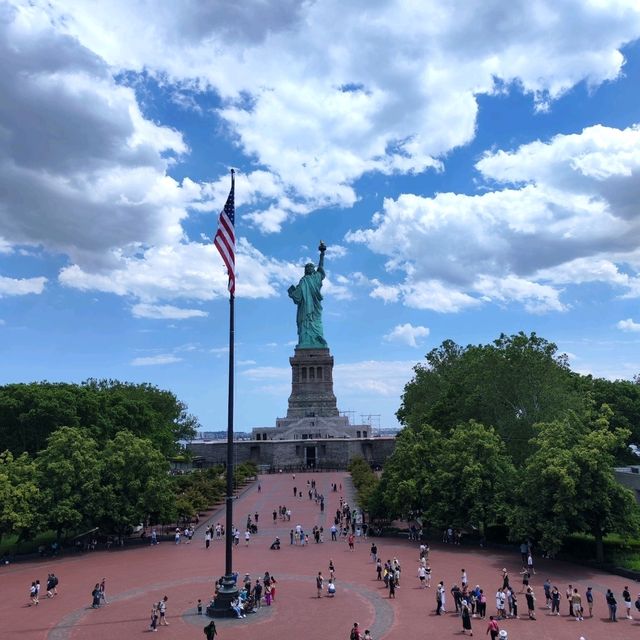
308 299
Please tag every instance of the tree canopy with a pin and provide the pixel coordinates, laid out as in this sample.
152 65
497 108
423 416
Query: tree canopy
30 413
506 434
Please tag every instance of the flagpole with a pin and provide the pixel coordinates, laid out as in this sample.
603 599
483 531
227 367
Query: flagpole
228 590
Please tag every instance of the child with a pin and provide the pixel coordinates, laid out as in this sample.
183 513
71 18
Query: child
153 625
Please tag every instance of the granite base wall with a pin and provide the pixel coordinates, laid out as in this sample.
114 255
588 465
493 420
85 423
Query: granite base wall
279 454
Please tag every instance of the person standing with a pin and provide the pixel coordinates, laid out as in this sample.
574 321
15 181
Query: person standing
154 537
153 621
547 592
103 590
422 576
247 537
613 605
500 602
379 569
207 538
355 632
626 596
589 598
319 583
576 600
374 552
555 601
568 593
505 579
466 618
95 594
440 598
257 593
392 588
531 603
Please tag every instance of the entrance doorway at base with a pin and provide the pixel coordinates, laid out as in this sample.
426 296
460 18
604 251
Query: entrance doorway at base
310 457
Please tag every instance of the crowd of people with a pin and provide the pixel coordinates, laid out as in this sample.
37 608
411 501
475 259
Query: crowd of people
472 603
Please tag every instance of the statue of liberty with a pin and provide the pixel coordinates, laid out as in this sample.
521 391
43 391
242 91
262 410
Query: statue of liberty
308 299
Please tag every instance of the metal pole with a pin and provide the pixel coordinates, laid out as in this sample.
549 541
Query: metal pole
229 528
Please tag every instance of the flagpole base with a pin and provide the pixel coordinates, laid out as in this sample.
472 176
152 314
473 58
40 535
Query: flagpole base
220 607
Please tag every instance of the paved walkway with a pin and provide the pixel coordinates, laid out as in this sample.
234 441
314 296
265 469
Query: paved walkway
138 577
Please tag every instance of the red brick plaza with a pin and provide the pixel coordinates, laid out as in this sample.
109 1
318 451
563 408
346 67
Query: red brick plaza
138 577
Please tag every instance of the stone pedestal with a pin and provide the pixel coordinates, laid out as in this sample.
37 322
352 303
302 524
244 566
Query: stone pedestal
221 606
312 385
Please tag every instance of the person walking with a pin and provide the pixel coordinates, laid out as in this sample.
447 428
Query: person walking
33 594
207 538
319 583
355 632
210 631
162 607
392 588
492 628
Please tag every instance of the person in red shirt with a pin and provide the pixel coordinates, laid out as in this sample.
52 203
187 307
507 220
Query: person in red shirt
350 540
493 628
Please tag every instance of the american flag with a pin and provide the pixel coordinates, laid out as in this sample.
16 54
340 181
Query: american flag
225 238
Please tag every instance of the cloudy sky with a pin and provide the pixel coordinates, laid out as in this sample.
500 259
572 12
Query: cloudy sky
472 171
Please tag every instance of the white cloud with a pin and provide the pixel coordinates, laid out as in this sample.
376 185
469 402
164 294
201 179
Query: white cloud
371 378
150 361
165 312
567 215
21 286
394 96
336 251
628 325
407 334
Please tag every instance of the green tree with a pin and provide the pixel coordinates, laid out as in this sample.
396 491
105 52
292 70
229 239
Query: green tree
19 494
474 475
409 474
511 385
569 486
69 479
135 484
29 413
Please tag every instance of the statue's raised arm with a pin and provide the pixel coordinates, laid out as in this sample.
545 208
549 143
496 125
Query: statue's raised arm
308 299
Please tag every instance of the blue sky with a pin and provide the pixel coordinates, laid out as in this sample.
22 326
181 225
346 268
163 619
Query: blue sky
472 172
